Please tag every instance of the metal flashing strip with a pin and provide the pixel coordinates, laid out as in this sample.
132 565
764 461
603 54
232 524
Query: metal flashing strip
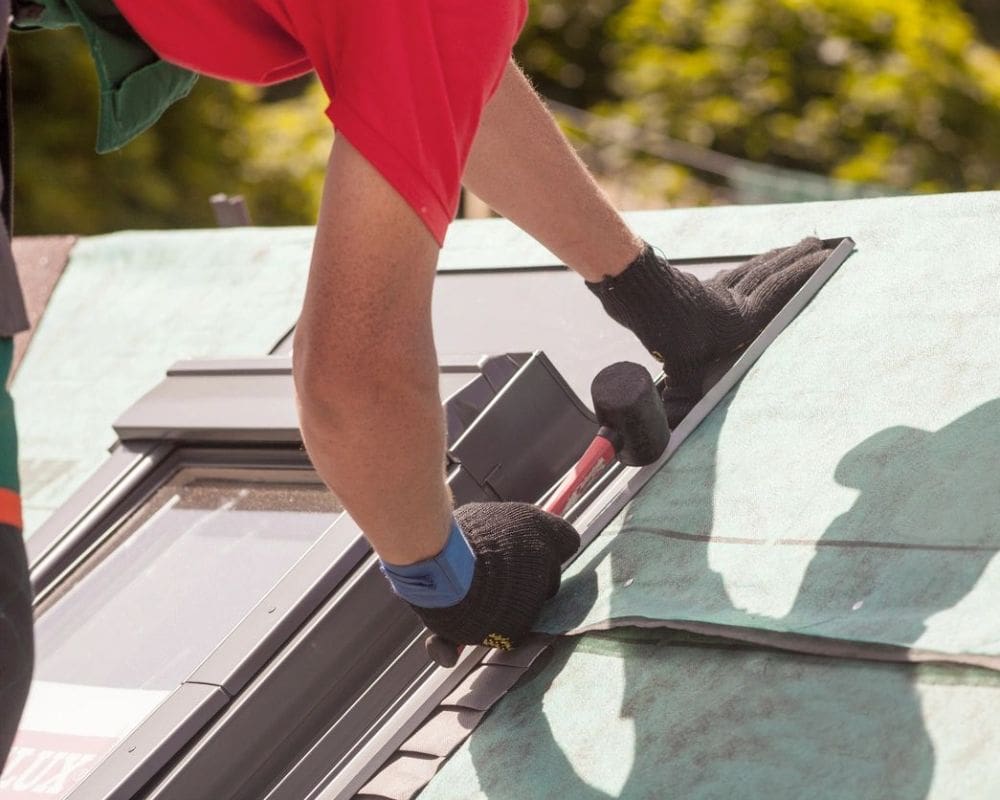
56 544
252 401
601 510
420 756
151 745
528 436
474 684
365 780
331 613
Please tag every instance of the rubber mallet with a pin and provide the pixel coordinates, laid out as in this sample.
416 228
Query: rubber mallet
633 430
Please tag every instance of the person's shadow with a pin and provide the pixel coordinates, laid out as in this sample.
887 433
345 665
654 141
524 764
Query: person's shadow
745 722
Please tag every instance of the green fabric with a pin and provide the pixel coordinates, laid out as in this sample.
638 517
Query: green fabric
645 716
8 432
136 85
847 489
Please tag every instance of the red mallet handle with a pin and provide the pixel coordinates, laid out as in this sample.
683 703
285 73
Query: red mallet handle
590 466
597 458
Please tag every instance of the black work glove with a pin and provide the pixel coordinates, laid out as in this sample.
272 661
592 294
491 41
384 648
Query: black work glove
689 325
519 552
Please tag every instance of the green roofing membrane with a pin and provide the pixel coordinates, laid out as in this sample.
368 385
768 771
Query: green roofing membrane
843 500
849 487
642 715
127 307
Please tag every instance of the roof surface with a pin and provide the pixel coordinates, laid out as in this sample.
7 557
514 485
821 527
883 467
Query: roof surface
843 491
127 307
40 262
637 714
842 501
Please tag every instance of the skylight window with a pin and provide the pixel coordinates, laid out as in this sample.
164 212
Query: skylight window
150 605
178 576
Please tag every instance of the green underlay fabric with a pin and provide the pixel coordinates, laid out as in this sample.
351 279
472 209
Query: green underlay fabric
644 714
128 306
848 490
136 85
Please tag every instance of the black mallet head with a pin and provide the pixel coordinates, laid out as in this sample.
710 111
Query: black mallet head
626 401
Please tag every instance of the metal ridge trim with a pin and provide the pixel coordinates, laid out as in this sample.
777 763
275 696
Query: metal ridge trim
630 481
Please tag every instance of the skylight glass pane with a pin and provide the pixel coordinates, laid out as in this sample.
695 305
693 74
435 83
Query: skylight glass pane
179 576
162 593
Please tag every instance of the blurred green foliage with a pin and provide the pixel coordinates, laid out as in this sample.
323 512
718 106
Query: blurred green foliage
568 49
899 93
219 139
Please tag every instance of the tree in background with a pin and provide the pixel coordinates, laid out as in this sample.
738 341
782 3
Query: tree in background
898 93
220 138
568 49
893 93
986 13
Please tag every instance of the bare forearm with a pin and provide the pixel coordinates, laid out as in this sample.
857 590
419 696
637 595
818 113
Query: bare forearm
365 365
523 167
379 445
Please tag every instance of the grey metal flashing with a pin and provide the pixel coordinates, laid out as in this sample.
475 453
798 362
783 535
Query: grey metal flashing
247 406
465 404
439 689
59 541
600 510
253 400
547 444
595 510
151 745
332 669
267 365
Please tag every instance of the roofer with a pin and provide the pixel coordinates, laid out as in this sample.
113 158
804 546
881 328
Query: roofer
424 98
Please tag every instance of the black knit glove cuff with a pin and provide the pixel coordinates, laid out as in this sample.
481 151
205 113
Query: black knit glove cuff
519 553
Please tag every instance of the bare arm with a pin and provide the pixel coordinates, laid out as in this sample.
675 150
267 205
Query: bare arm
365 366
523 167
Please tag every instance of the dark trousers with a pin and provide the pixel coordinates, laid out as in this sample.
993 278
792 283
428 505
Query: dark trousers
16 637
16 650
16 647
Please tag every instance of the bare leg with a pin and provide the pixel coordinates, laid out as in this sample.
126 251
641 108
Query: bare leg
523 167
365 366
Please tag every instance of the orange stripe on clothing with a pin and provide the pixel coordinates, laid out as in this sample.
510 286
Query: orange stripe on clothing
10 508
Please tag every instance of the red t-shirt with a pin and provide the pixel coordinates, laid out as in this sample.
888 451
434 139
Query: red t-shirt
407 79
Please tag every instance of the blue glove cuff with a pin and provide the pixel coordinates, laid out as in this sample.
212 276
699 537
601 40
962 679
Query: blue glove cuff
438 582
